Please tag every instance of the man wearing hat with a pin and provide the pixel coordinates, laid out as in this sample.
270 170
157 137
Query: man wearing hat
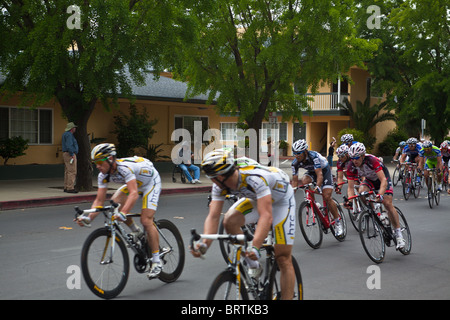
70 150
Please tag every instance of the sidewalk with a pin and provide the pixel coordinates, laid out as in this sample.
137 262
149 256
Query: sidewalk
19 194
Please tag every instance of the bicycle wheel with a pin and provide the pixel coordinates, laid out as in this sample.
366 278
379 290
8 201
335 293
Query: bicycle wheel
171 250
395 176
354 214
430 192
343 222
273 289
405 232
407 185
310 225
417 187
105 272
224 288
437 195
371 236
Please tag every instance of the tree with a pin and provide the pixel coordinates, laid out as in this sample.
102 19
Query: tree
412 64
366 116
12 148
90 54
133 131
249 55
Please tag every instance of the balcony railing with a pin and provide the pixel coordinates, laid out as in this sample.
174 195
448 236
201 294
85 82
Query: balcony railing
325 101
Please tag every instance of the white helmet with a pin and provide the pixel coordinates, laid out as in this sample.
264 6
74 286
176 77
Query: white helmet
357 150
346 138
299 146
342 150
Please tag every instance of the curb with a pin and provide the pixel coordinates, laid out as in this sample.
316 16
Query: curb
54 201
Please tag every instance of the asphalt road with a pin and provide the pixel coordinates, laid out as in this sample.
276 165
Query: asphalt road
39 248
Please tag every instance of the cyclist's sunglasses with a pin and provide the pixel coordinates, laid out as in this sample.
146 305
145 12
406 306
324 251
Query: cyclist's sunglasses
99 162
298 153
355 158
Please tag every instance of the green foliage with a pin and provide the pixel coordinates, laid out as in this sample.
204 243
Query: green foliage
357 136
248 54
154 152
390 143
412 63
133 130
12 148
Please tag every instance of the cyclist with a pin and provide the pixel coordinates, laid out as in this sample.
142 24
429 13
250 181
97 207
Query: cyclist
342 153
377 178
433 160
139 176
445 151
411 154
348 139
399 150
266 197
318 170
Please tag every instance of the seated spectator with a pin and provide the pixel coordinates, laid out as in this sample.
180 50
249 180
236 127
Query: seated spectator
187 165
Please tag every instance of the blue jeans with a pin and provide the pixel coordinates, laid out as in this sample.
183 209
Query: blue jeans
191 167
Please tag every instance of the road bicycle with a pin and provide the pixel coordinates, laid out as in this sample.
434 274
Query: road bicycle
434 194
410 185
104 257
315 219
398 173
235 283
376 231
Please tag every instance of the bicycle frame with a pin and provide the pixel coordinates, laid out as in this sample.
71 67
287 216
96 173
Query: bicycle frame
323 215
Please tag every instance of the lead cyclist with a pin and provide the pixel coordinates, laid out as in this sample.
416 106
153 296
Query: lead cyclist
433 157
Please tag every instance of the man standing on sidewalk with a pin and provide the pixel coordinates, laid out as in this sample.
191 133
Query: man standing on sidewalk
70 150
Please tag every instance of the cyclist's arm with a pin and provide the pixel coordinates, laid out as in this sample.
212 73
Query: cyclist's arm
98 202
211 225
351 188
319 176
383 182
264 205
294 181
402 158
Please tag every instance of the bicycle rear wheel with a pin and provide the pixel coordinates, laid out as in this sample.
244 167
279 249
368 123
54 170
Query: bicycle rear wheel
405 232
105 272
310 225
171 251
273 290
224 288
371 235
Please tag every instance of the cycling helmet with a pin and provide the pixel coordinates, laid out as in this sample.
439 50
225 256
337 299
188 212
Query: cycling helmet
102 151
427 144
444 145
357 150
347 138
411 141
218 162
402 144
342 150
299 146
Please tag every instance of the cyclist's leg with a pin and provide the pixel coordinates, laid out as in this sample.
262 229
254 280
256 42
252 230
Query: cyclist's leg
151 193
284 234
308 177
327 191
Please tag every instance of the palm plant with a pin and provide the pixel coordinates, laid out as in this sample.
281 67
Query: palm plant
366 116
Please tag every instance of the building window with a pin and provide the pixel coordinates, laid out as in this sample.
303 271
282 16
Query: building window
187 122
34 125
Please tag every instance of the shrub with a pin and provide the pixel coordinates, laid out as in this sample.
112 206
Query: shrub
12 148
390 143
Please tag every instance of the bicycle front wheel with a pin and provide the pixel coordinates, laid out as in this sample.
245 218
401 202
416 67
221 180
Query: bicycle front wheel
395 176
405 232
171 251
310 225
105 267
371 235
273 291
430 192
343 222
407 185
225 287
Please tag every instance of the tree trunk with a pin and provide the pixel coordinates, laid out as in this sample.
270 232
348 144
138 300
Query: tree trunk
78 111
